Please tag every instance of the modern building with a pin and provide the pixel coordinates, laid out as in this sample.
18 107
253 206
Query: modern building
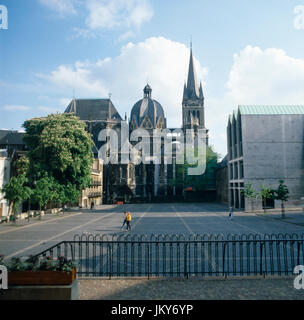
265 145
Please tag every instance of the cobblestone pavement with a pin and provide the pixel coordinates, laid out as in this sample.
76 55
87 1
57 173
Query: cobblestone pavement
188 289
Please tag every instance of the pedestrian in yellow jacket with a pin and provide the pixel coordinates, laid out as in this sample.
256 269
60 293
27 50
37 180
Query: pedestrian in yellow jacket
128 218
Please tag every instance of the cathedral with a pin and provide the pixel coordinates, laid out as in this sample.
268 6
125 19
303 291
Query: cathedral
149 180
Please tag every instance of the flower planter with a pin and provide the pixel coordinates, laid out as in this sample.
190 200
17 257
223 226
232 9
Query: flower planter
41 278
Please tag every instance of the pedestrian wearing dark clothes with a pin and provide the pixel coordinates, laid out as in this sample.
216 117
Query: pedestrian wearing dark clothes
128 218
231 213
125 220
92 205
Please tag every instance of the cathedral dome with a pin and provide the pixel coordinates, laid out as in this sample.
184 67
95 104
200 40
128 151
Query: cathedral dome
147 113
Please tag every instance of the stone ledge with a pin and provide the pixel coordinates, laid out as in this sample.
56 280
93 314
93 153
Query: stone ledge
69 292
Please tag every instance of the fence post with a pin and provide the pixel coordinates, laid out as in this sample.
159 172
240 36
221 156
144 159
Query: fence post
185 260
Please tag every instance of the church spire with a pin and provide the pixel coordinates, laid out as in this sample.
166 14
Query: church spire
192 87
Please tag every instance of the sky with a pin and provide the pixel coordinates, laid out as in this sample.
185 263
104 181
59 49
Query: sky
245 51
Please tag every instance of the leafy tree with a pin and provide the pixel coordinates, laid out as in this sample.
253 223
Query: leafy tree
60 147
43 192
265 193
16 192
282 193
250 193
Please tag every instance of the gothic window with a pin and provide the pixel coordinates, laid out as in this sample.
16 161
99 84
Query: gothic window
147 123
134 124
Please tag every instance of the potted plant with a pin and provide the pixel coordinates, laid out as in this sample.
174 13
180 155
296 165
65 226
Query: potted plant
40 271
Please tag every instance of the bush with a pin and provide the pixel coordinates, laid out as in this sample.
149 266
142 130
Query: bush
33 263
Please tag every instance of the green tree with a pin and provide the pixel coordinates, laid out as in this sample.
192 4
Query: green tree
282 193
264 194
16 191
250 193
197 182
60 147
43 192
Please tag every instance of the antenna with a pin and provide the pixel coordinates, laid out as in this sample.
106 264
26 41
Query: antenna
110 95
191 41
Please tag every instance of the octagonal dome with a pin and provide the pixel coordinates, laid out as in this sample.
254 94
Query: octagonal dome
147 113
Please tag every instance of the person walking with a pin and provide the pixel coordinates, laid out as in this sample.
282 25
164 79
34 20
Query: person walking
92 205
231 213
128 218
125 220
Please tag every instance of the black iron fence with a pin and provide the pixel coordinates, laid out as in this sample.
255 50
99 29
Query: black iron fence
181 256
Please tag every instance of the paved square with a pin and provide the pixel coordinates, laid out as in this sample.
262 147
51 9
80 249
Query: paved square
176 218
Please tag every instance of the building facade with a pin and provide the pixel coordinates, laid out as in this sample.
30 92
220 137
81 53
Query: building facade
150 179
5 165
93 194
265 145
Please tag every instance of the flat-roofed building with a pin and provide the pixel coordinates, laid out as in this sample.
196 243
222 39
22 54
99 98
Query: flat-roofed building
265 145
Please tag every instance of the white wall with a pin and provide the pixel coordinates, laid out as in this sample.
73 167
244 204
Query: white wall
5 165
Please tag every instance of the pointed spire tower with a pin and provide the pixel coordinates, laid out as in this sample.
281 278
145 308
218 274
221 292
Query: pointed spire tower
193 99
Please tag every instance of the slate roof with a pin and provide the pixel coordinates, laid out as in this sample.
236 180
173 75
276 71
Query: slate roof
149 107
9 137
93 109
191 89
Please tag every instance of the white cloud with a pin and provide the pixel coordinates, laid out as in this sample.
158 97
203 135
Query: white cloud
62 7
125 36
16 108
161 62
266 77
109 14
257 76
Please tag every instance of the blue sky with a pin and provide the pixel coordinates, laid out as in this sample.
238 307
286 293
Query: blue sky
246 51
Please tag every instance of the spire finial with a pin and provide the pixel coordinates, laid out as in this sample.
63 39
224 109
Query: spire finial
190 41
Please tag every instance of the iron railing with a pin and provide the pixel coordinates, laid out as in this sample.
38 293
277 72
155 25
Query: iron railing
181 256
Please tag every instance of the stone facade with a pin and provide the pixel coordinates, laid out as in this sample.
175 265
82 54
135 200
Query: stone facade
5 165
95 191
265 145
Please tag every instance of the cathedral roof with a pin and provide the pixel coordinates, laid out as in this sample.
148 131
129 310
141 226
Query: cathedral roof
10 137
93 109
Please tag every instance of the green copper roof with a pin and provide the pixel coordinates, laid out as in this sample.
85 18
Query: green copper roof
271 109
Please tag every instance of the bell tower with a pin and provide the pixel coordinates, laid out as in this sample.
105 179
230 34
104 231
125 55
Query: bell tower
193 100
